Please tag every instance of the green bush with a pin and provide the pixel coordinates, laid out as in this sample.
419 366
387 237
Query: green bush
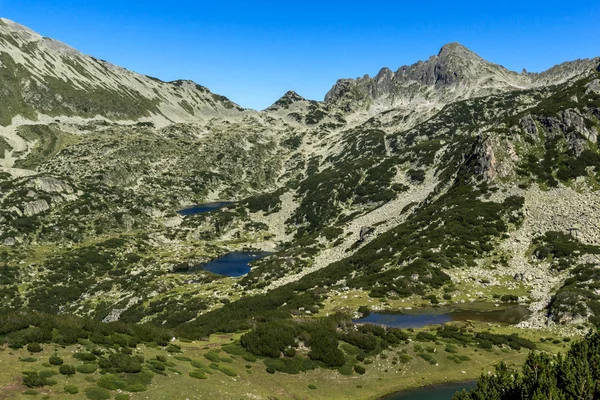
55 360
227 370
234 349
66 369
84 356
111 382
292 365
71 389
212 356
173 348
198 374
34 380
87 368
345 369
121 396
359 369
48 373
451 348
120 362
311 386
34 348
269 339
197 364
427 357
97 393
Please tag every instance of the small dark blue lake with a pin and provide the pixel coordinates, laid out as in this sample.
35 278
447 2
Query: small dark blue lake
444 391
399 320
233 264
418 318
202 208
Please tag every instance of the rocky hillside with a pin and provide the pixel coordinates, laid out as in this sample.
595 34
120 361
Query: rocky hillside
45 79
448 181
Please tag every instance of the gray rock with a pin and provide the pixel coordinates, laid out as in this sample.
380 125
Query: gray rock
530 128
593 87
51 185
35 207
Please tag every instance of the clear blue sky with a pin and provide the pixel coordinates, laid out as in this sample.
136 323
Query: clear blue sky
254 51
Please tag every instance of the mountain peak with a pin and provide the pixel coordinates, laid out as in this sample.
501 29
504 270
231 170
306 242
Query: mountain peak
455 48
14 26
286 100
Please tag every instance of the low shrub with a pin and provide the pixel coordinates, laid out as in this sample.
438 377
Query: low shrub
87 368
66 369
55 360
84 356
97 393
71 389
227 370
212 356
198 374
34 380
34 348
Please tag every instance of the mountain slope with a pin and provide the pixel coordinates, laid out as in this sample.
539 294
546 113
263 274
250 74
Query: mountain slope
453 181
46 77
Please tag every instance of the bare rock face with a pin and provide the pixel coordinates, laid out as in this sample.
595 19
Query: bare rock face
455 73
571 125
51 185
530 128
593 87
485 160
35 207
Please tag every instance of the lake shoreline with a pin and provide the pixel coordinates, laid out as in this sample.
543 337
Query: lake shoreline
460 384
509 314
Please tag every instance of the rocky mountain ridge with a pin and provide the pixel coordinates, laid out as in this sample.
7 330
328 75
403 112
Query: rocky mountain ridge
455 73
44 77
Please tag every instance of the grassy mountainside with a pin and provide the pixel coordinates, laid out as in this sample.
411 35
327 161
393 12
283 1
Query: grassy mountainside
490 197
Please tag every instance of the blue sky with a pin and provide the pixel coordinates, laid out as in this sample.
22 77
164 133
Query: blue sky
254 51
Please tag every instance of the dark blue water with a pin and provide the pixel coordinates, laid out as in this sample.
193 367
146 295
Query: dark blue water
202 208
398 320
233 264
510 314
435 392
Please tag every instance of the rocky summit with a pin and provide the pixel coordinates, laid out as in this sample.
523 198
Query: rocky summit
452 183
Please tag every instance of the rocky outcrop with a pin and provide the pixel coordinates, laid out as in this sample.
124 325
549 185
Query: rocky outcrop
50 184
35 207
484 160
593 87
529 127
572 125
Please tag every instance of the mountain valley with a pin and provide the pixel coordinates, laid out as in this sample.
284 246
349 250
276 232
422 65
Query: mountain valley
452 182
